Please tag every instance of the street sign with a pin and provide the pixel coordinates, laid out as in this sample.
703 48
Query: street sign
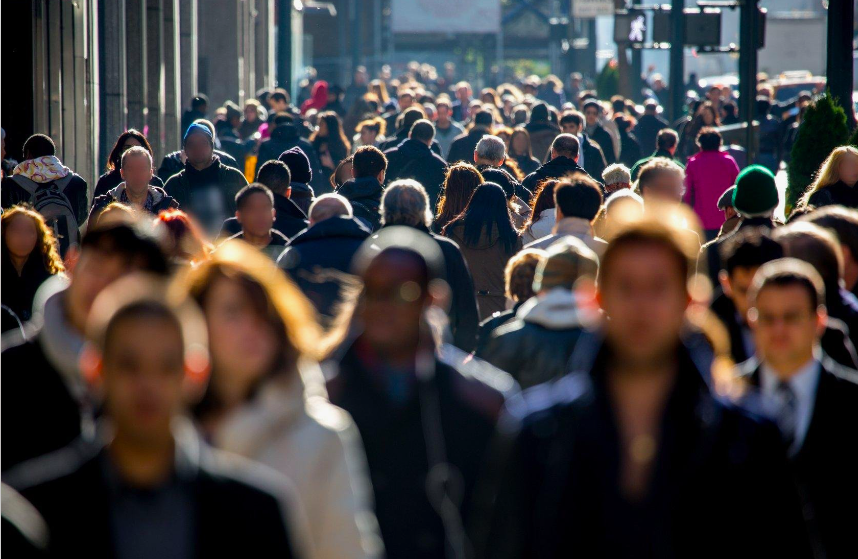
588 9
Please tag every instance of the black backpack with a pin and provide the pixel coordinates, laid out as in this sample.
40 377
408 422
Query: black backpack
50 200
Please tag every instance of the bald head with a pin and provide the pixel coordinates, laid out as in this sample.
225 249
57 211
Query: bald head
327 206
565 145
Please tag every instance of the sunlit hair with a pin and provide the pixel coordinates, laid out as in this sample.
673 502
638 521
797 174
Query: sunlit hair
542 199
379 88
405 202
375 123
46 243
275 297
829 171
114 160
519 272
112 213
335 130
461 181
520 131
185 241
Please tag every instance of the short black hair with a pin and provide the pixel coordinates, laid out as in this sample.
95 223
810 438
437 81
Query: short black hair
592 104
39 145
709 139
275 175
199 100
279 95
422 130
788 272
253 188
573 117
566 144
729 107
750 247
666 138
580 196
483 118
368 161
134 242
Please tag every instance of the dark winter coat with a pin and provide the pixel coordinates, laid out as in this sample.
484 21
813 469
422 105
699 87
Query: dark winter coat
542 134
836 194
319 260
710 250
604 140
826 463
559 464
462 148
492 323
365 196
400 137
413 159
630 149
594 159
275 246
526 163
160 200
636 168
209 194
111 179
469 398
646 131
238 507
510 185
172 164
286 137
289 219
17 291
556 168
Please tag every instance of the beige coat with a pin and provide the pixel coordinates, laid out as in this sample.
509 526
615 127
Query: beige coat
296 431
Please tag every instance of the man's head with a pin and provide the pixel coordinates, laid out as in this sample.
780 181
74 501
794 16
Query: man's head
709 139
651 107
39 145
254 209
667 140
756 193
408 117
106 254
405 202
443 110
571 123
327 206
276 176
200 103
463 92
592 112
578 196
787 314
566 262
198 144
298 164
742 254
483 119
369 161
661 179
643 290
278 101
616 177
422 131
565 145
816 246
406 99
844 223
144 390
136 169
490 150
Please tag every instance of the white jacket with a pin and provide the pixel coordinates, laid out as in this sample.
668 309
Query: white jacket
297 432
541 228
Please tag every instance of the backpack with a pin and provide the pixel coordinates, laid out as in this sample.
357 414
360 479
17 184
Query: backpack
50 200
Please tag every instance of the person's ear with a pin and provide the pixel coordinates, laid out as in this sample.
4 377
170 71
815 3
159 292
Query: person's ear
752 318
91 365
724 280
821 320
197 374
122 173
475 156
381 175
238 216
289 192
273 213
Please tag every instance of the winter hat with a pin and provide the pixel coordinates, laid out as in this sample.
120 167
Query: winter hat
726 199
198 129
756 194
298 163
567 261
232 110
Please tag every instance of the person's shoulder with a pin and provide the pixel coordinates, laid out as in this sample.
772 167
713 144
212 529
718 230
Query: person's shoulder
53 471
478 382
550 401
231 172
846 378
510 330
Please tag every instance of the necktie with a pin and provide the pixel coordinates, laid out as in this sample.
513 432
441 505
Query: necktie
786 414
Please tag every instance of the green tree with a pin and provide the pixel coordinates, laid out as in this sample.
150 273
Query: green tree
822 129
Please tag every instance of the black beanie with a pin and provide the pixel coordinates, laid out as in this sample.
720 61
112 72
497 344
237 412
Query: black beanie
298 163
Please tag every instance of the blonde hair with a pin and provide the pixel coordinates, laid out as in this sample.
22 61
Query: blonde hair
828 173
519 273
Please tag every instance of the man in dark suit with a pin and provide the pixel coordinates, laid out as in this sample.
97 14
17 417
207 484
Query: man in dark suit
814 399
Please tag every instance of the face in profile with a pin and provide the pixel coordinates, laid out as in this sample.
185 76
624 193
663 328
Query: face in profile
785 323
143 374
736 286
644 298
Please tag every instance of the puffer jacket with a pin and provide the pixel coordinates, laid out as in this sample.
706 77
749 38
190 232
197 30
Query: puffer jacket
291 427
535 347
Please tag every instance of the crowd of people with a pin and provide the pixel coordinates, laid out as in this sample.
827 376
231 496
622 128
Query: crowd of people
397 320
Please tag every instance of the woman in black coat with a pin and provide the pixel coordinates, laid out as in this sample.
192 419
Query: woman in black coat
112 178
330 142
30 256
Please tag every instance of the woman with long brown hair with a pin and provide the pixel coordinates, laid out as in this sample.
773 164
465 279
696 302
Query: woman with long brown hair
520 150
461 181
330 141
543 212
266 399
29 256
112 178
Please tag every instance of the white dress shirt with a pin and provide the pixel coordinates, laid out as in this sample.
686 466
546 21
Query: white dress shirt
804 384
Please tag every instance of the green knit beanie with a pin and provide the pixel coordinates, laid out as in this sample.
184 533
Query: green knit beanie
756 193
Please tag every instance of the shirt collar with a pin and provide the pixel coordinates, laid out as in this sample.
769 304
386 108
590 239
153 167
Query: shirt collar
803 382
573 225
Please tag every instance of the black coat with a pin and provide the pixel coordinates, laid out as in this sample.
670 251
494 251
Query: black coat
558 469
826 463
710 250
275 246
400 137
556 168
238 509
17 292
413 159
319 260
646 131
462 148
111 179
289 219
365 196
526 163
492 323
469 399
506 181
208 195
285 138
594 159
604 140
630 149
172 164
835 194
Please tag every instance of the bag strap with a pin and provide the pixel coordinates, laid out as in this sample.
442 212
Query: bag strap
32 186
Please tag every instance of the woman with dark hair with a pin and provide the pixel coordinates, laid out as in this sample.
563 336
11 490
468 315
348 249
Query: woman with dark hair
266 399
30 255
489 96
461 181
520 150
542 215
706 116
330 141
112 178
488 238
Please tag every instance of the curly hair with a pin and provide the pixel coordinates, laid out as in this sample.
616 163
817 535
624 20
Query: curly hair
46 242
519 272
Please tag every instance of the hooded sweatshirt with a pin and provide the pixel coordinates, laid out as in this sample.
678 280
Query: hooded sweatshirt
43 170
